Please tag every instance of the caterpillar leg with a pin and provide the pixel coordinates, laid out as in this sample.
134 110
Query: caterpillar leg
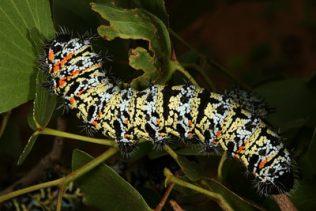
124 138
157 137
127 147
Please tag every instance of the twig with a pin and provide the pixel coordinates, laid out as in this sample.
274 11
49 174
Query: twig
171 152
61 192
45 163
53 132
164 197
216 197
177 66
220 166
285 204
64 180
175 206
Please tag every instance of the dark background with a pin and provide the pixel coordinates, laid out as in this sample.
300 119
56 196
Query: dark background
267 46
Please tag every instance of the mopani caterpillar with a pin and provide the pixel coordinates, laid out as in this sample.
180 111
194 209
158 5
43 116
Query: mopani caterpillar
160 112
45 199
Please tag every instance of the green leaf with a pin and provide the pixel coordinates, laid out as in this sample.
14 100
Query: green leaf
104 189
44 103
27 149
236 201
18 21
138 24
191 169
140 59
156 7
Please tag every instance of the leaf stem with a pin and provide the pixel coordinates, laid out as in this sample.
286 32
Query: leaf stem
171 152
175 65
216 197
220 166
53 132
30 189
61 192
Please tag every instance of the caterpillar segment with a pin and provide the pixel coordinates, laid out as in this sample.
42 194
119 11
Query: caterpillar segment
160 112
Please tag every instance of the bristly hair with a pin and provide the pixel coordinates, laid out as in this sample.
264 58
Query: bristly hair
88 129
250 101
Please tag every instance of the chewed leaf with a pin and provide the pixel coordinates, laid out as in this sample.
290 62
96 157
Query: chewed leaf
18 21
140 59
138 24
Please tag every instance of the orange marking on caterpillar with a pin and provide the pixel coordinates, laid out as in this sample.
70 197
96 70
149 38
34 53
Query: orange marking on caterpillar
66 59
94 122
72 100
263 163
218 134
190 123
51 55
241 149
126 136
158 122
62 62
56 68
74 73
62 82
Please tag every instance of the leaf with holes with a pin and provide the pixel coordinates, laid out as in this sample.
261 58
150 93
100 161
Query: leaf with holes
138 24
140 59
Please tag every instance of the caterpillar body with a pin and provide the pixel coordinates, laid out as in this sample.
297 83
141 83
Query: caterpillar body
46 199
161 112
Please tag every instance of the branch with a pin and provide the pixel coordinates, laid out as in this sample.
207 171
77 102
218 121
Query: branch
164 197
45 163
285 204
53 132
175 206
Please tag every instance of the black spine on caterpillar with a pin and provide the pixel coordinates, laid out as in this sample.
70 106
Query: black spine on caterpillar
160 112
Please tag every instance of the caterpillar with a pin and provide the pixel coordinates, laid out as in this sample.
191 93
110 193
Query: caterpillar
46 198
159 113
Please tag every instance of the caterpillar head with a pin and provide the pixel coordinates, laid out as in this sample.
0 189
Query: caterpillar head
66 58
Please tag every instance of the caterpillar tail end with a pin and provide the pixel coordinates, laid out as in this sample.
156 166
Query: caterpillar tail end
283 184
